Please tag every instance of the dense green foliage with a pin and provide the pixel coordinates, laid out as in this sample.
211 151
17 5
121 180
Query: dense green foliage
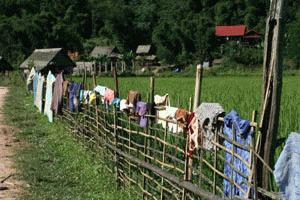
53 163
182 30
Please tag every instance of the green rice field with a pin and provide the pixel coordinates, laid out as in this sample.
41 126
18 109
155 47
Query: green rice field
240 93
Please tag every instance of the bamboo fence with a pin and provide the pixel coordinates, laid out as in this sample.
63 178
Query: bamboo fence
157 161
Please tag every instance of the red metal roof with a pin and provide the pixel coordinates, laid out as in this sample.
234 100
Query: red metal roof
230 31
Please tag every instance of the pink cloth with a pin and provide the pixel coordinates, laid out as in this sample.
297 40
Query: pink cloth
109 96
57 94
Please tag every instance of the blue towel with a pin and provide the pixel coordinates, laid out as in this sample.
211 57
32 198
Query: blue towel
243 137
287 168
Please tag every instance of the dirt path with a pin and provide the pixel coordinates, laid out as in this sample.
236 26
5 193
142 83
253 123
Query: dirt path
10 187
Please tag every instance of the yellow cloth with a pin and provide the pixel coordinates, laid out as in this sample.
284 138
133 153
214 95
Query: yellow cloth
93 98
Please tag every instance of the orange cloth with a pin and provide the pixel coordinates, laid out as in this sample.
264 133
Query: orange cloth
181 117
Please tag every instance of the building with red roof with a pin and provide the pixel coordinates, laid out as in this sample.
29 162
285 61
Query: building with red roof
237 33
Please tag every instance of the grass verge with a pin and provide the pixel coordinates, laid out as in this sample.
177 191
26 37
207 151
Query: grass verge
54 164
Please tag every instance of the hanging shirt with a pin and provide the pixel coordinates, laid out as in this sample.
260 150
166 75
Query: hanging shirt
169 113
162 100
116 102
207 114
123 105
287 169
57 94
74 94
109 96
30 78
141 110
133 98
243 137
35 83
48 99
39 93
100 89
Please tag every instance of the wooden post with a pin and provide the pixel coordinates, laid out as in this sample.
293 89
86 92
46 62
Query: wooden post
198 85
151 95
116 160
197 96
186 156
115 74
272 86
105 67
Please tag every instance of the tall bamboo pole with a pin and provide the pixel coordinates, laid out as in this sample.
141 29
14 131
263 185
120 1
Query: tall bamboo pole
272 86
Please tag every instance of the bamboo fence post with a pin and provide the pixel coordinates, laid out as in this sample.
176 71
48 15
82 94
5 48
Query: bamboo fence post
116 160
272 86
232 163
197 96
252 162
215 162
129 135
163 160
198 85
186 155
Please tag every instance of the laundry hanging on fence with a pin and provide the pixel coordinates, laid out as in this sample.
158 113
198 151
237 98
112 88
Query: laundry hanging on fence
162 100
141 110
116 102
287 169
243 137
74 94
169 113
40 93
56 104
133 98
181 116
193 132
109 96
48 99
35 83
30 78
100 89
123 105
207 114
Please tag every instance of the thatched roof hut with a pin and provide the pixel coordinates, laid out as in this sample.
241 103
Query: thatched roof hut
108 51
49 59
144 49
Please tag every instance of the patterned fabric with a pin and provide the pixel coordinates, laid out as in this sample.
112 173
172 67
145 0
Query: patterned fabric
207 114
243 137
48 99
287 168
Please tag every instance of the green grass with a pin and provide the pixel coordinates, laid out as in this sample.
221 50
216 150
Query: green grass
242 93
53 163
